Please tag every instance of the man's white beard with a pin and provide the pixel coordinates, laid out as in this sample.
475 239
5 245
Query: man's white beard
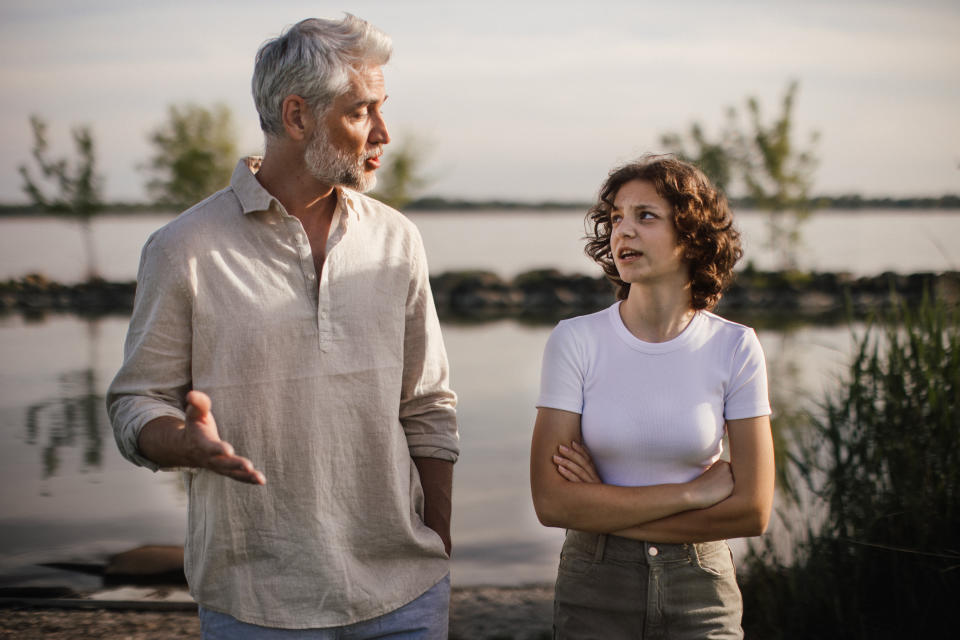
335 167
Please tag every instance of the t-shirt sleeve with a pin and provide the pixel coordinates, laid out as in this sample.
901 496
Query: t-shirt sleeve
746 395
561 374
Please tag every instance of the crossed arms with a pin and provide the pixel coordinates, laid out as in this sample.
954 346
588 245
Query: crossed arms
726 501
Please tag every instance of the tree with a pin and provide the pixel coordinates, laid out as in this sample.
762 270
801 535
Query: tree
196 151
401 177
76 184
776 174
716 159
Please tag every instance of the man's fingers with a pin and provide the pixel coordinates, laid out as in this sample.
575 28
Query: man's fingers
216 455
198 405
229 464
254 477
236 467
214 448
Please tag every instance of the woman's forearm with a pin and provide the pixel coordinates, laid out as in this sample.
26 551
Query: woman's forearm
735 517
602 508
745 513
595 507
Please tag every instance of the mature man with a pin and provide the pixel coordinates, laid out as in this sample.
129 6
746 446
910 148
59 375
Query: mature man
299 313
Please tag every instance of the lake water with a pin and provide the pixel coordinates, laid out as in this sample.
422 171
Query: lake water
861 242
69 496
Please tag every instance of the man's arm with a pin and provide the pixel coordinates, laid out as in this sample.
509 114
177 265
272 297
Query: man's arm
194 442
436 477
427 405
157 421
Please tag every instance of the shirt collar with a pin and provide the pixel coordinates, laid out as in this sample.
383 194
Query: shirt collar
253 197
250 193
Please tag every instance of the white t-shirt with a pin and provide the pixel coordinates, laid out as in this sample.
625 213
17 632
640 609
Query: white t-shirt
653 413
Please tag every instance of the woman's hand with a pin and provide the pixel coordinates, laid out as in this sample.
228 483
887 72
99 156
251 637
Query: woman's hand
568 492
575 464
713 485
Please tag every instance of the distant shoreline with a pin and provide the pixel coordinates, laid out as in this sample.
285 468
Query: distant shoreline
546 296
428 204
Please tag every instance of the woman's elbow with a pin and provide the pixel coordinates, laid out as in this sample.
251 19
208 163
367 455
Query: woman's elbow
549 512
756 520
547 518
545 514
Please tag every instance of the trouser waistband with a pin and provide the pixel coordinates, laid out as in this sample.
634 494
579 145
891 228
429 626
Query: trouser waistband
606 546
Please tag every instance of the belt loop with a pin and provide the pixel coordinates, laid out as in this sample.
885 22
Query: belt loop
601 546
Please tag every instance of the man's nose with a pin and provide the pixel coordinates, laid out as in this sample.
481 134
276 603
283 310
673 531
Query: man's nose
379 133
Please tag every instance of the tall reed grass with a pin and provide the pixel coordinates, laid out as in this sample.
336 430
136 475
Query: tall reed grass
879 553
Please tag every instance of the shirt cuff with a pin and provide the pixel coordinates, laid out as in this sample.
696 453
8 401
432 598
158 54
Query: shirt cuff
442 446
129 434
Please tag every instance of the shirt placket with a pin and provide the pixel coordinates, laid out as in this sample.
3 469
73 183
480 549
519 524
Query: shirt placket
324 321
319 296
330 268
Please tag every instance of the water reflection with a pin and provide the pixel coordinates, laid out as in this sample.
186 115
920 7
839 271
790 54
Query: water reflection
73 497
75 418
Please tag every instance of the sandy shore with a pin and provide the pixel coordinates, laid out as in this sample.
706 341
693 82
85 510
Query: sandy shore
477 613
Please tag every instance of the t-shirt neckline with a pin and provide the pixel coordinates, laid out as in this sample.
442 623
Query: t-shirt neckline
632 341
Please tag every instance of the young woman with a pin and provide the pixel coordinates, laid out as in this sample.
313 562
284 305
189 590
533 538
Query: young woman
634 403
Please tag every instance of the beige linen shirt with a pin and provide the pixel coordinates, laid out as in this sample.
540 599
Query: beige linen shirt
329 387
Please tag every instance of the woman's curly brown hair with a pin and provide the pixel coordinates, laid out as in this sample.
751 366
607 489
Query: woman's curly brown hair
701 216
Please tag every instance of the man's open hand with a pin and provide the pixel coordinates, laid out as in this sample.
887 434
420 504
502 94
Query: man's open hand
205 449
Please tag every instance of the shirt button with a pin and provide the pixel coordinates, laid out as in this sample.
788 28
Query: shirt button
653 551
310 276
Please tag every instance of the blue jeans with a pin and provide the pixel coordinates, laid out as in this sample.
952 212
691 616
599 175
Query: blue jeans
425 618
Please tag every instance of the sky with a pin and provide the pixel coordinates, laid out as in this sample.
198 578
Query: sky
519 100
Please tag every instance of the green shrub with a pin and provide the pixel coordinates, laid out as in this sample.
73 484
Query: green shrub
880 557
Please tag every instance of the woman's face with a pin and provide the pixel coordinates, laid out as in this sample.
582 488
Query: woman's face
643 239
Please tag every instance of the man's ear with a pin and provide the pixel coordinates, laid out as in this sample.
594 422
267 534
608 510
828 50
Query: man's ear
297 118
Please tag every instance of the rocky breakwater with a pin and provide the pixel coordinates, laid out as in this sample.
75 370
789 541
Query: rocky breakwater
34 295
832 296
547 295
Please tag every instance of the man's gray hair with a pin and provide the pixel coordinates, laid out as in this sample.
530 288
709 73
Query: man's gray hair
313 59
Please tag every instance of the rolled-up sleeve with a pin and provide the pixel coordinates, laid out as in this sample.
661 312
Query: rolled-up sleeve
427 404
156 373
